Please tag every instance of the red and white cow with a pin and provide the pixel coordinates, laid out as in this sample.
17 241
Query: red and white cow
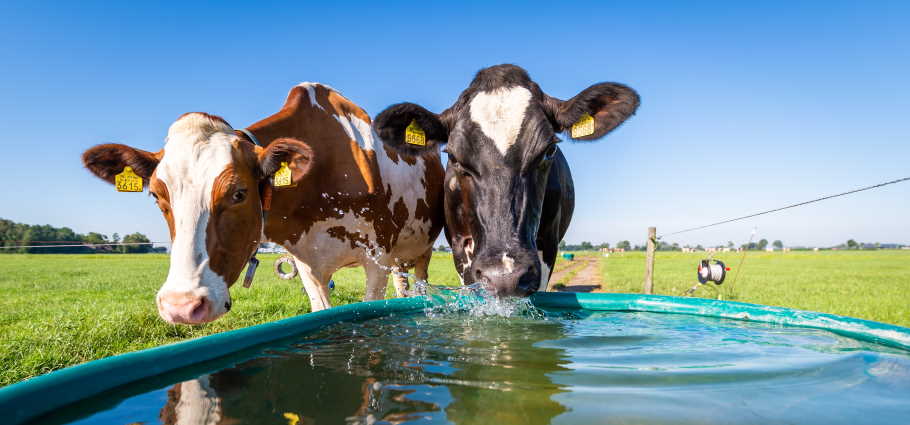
352 201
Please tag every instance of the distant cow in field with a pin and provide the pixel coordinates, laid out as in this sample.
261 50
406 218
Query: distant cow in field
344 199
508 191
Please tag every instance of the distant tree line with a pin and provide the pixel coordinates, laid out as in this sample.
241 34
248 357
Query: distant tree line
588 246
761 245
43 237
853 244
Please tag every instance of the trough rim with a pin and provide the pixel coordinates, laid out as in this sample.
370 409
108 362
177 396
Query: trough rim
34 397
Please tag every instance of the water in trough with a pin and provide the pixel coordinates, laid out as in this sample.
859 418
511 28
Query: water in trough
510 363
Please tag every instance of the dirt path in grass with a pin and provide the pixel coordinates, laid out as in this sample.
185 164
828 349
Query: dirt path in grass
582 276
563 271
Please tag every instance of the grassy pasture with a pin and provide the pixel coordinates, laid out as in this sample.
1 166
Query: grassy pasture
60 310
873 285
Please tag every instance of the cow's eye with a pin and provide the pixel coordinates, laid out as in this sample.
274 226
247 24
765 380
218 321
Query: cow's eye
161 203
153 195
239 196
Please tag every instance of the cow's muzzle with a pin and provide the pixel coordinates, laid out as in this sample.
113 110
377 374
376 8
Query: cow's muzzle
185 308
504 275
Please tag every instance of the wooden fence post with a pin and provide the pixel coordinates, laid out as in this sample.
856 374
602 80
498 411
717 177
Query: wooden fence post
649 261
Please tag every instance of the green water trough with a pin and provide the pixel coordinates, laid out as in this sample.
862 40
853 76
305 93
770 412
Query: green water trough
33 398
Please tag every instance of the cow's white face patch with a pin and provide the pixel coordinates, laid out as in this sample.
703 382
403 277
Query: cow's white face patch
499 113
197 151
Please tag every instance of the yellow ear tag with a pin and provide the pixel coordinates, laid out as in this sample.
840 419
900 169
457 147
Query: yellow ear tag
282 177
128 181
584 126
414 135
292 418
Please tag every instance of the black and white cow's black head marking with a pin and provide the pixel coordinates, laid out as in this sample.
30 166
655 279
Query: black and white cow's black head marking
508 191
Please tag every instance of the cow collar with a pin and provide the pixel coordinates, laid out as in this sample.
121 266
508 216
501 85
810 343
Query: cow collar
266 197
265 190
251 136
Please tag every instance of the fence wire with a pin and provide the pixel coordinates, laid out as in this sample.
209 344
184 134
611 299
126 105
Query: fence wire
786 207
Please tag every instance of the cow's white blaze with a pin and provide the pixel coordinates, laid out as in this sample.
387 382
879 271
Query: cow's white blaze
544 272
499 113
198 149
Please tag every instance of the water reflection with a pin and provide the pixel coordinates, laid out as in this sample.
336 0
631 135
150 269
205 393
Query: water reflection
441 370
192 402
508 380
262 391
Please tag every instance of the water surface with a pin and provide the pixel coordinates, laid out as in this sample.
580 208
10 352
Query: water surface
560 368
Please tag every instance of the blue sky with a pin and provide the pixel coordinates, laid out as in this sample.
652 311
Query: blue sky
745 107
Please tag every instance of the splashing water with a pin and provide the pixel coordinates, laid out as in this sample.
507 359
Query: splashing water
488 305
472 300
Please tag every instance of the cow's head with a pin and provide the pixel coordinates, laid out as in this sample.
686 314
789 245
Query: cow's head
206 181
501 137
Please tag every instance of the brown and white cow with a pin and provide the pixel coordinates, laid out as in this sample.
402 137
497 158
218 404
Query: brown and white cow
353 201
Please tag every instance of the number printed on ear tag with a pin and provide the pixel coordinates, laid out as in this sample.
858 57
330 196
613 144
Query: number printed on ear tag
414 135
282 177
584 126
128 181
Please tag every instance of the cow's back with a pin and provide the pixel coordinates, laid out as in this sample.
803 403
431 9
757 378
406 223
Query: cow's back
360 197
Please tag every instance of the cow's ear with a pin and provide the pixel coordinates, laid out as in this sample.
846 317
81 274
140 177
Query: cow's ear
595 111
410 128
297 155
108 160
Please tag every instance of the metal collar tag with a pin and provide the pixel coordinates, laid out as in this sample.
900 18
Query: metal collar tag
250 272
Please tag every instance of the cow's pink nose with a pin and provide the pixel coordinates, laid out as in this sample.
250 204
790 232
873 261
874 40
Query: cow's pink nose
183 307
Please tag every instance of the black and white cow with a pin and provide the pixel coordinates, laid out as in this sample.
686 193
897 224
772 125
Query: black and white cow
508 190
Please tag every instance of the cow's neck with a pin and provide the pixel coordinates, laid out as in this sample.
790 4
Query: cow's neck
280 125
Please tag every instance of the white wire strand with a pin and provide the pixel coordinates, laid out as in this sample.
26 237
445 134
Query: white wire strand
784 208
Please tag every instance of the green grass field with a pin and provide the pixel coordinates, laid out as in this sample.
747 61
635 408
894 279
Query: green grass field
873 285
60 310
